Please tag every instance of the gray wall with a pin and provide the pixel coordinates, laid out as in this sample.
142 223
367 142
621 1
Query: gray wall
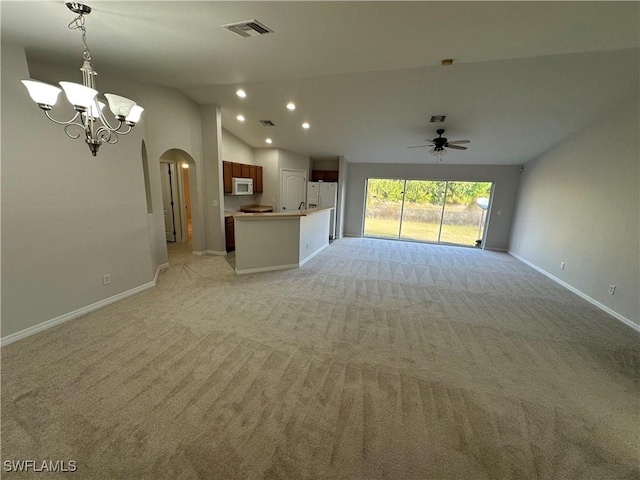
67 217
73 217
579 203
505 179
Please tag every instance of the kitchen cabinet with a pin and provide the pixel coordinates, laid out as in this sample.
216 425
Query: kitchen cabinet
241 170
324 175
229 234
227 174
257 185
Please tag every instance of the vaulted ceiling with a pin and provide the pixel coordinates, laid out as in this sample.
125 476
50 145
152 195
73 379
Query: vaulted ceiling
367 75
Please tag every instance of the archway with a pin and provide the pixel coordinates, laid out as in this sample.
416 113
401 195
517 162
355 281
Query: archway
182 171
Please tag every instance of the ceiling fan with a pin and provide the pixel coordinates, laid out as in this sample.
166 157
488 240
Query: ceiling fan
439 143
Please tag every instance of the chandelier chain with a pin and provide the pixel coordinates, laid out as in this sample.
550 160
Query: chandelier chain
78 24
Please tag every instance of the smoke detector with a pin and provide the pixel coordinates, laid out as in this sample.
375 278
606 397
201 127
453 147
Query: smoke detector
248 28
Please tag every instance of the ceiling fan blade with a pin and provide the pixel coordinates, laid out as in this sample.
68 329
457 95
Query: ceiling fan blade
459 141
420 146
456 147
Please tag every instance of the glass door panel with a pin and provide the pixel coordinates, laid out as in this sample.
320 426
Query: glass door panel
383 207
465 212
422 210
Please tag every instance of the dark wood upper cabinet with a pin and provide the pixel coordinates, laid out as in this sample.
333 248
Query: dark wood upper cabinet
331 176
227 174
241 170
324 175
257 187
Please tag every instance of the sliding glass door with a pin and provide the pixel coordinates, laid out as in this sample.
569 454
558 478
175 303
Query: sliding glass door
427 210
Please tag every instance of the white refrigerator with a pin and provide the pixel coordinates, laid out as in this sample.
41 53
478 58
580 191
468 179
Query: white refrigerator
322 195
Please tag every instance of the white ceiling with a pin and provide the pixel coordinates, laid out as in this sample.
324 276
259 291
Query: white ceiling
367 75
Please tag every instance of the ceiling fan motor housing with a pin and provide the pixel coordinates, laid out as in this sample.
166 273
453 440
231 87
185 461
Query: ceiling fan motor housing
440 141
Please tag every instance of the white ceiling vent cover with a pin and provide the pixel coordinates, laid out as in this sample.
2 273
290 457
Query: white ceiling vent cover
249 28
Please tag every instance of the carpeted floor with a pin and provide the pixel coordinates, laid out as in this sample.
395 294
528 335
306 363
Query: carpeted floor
376 360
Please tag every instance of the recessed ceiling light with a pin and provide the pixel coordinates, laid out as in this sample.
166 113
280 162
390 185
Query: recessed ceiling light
241 93
268 140
305 125
240 118
291 106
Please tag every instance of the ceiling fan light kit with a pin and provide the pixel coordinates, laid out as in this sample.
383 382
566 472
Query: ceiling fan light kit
84 98
439 143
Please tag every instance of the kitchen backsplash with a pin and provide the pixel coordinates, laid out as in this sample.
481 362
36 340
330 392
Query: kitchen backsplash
232 203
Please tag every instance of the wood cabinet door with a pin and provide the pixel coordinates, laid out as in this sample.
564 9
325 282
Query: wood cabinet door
331 176
246 170
317 175
227 174
257 187
253 173
230 237
236 170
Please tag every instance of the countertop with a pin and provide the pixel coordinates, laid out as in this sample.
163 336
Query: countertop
249 209
291 214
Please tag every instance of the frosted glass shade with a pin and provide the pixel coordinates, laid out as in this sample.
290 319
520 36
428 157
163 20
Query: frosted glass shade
120 106
93 111
79 95
135 114
42 93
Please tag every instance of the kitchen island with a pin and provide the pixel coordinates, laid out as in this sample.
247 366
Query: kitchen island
275 241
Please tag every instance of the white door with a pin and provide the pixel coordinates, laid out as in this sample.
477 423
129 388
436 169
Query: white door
167 175
292 189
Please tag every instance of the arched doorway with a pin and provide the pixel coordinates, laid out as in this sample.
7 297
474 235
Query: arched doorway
179 180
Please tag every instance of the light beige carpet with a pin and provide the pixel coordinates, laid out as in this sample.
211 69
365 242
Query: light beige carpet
376 360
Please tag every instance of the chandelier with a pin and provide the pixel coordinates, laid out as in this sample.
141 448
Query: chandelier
89 118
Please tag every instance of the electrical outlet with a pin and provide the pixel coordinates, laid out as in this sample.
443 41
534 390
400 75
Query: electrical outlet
561 265
106 279
612 289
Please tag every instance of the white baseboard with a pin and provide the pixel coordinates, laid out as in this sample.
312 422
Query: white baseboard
312 255
47 324
215 252
267 269
198 253
581 294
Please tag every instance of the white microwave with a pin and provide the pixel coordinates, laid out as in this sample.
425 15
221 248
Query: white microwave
242 186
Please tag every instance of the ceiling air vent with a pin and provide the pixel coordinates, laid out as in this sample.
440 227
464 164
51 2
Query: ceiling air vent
249 28
438 118
267 123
